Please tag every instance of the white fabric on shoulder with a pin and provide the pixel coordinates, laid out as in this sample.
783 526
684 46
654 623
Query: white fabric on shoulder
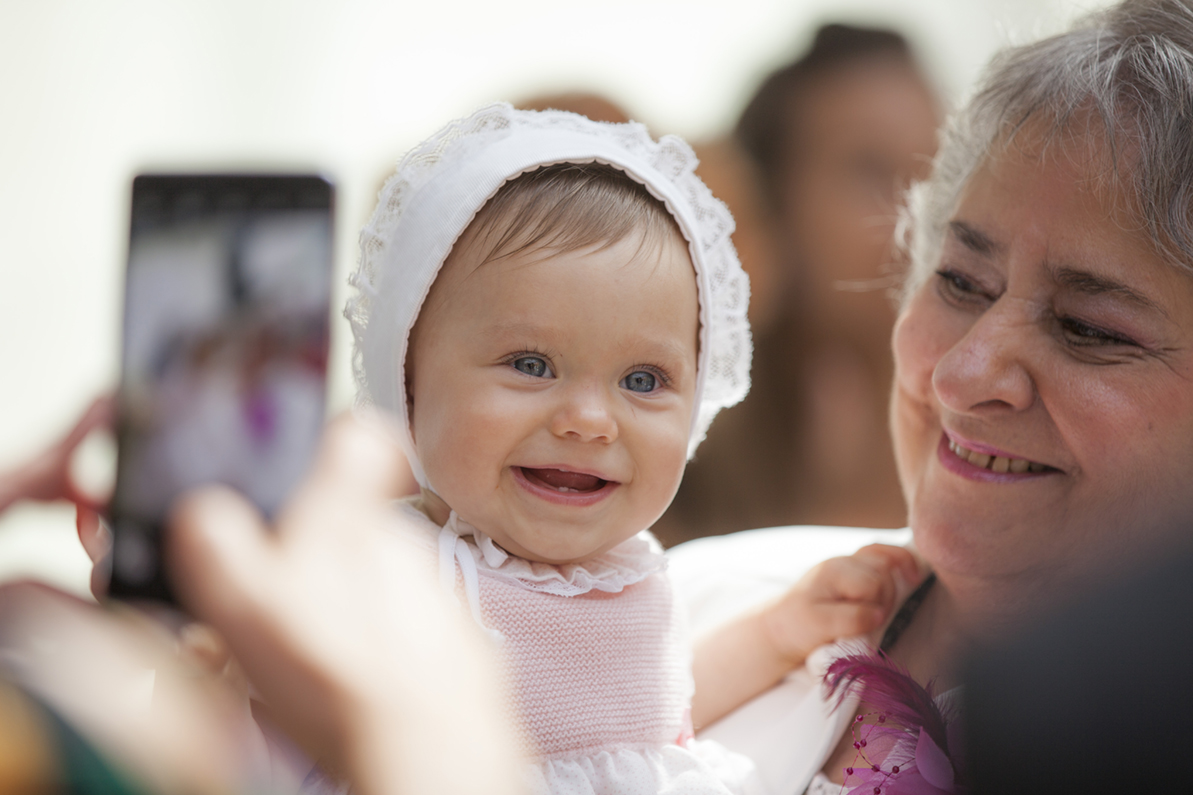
790 730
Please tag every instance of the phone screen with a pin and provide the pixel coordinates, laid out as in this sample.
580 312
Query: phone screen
225 351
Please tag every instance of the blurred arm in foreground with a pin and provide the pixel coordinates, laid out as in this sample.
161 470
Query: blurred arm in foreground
344 636
347 639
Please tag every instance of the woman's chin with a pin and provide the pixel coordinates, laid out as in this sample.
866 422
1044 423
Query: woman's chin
962 544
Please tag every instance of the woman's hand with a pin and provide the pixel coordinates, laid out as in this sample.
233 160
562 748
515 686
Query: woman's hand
839 598
47 477
342 631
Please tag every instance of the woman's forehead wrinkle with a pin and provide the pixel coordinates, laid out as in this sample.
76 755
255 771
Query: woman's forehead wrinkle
1092 284
974 239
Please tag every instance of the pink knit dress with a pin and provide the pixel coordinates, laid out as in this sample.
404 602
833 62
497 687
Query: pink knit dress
596 665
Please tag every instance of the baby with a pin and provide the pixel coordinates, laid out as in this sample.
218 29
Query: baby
554 310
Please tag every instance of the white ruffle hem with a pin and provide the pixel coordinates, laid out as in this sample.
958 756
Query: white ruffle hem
699 767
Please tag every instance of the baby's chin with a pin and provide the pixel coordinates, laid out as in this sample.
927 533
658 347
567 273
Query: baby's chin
557 552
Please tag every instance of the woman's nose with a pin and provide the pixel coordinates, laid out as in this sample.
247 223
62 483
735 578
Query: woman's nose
586 416
987 369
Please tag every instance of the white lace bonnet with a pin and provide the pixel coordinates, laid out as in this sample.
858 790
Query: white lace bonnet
439 187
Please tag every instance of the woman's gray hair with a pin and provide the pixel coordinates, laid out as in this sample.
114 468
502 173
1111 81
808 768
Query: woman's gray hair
1130 68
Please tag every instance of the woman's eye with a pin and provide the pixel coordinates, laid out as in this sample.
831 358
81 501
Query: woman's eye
640 381
959 290
957 284
1080 333
532 365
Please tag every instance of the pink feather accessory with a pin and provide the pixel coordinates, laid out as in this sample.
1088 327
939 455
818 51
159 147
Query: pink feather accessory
911 743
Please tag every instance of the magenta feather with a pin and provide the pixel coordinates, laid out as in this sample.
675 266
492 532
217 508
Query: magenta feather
933 763
890 688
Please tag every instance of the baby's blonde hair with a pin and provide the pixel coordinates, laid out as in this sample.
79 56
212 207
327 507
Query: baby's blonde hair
565 207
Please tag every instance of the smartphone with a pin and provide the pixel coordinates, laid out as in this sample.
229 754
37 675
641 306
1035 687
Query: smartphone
224 370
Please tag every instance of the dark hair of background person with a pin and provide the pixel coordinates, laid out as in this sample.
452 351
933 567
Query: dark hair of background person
771 119
595 106
833 139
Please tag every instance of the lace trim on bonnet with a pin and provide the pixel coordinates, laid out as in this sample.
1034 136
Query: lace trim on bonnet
440 186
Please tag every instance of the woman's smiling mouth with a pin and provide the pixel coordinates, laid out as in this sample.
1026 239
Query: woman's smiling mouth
995 463
563 486
978 465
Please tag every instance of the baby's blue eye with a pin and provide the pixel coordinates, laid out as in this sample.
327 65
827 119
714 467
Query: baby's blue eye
640 381
532 365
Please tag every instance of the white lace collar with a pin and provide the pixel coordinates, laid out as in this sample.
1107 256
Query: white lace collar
627 563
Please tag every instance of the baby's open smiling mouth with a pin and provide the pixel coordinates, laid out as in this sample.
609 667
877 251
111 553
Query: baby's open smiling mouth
563 481
564 487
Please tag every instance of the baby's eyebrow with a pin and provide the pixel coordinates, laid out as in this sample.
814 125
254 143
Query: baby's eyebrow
651 349
514 328
664 349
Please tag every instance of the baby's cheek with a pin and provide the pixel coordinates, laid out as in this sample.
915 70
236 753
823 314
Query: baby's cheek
451 460
665 469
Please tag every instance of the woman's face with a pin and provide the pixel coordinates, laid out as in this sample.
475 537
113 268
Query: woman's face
1043 402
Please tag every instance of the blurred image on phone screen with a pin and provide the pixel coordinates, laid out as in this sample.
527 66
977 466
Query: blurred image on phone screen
225 351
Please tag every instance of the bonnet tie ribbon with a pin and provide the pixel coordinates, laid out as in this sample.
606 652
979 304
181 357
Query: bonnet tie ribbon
453 549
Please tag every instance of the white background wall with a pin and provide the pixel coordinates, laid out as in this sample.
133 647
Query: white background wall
90 93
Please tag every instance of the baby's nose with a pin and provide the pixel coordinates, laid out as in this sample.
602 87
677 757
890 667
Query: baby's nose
586 416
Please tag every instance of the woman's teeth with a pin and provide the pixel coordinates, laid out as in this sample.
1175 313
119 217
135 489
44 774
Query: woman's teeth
995 463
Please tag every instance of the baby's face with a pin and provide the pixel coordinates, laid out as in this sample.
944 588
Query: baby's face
553 393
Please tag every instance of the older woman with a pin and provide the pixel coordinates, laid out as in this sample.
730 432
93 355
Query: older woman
1042 410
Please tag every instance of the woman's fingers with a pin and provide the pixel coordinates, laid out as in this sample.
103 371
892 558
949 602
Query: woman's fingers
95 538
218 547
205 646
359 455
97 543
357 464
100 414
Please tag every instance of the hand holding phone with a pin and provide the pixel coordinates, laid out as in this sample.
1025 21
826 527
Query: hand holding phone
225 351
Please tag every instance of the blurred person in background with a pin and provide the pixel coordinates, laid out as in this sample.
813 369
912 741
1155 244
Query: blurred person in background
833 139
595 106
